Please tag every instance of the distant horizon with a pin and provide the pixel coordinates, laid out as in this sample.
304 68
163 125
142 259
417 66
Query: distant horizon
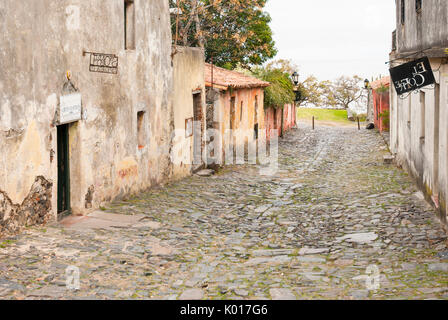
333 38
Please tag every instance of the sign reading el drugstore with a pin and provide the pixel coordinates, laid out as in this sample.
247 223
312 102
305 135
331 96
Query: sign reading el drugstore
412 75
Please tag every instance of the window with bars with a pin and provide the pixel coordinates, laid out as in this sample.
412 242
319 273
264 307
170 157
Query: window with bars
418 5
129 25
403 11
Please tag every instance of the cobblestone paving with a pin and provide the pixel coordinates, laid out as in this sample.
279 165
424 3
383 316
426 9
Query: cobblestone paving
319 229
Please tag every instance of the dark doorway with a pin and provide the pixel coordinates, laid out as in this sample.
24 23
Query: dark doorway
232 113
63 172
232 128
198 128
437 124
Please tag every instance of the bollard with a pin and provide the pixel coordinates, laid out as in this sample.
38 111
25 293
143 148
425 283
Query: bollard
359 125
313 122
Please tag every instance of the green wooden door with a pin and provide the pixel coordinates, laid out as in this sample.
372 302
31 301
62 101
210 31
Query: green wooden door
63 172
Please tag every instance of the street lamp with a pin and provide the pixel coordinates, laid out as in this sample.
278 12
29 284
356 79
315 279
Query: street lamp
366 84
295 78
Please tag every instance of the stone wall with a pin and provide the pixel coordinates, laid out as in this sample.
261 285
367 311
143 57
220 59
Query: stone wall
33 210
40 41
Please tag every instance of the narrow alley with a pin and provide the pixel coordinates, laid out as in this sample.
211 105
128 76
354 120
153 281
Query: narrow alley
334 219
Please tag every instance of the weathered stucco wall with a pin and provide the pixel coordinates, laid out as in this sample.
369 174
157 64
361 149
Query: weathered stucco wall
189 64
289 117
39 42
422 30
273 118
249 110
419 134
381 102
419 137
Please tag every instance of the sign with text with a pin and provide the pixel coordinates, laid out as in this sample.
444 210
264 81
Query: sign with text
412 75
189 127
103 63
70 108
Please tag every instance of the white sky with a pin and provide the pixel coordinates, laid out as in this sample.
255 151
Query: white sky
330 38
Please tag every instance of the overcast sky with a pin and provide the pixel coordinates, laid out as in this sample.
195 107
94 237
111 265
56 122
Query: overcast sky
329 38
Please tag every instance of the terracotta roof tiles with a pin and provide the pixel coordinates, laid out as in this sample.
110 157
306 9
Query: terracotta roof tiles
383 82
231 79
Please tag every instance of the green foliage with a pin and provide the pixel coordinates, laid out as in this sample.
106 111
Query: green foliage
385 118
230 32
281 90
322 114
382 89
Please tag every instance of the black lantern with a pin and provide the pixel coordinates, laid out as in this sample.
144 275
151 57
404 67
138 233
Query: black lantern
366 84
298 95
295 78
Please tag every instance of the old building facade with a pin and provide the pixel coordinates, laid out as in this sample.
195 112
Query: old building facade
188 151
86 112
235 110
419 134
380 103
281 119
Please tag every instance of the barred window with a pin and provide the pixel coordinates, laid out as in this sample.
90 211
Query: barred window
418 5
403 10
129 25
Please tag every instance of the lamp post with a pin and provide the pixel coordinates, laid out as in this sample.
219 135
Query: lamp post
366 84
295 78
367 87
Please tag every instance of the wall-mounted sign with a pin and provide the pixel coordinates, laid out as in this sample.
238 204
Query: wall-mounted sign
189 127
70 108
412 75
103 63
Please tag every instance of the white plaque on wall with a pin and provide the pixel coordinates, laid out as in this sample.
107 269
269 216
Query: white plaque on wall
70 108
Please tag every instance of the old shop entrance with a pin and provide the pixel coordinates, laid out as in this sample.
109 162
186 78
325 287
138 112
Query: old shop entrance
69 112
63 171
198 130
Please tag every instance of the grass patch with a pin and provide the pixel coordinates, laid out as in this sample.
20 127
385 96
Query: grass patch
322 114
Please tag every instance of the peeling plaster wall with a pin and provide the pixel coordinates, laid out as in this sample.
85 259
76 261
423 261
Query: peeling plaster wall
419 156
273 118
424 30
39 42
243 122
421 31
189 70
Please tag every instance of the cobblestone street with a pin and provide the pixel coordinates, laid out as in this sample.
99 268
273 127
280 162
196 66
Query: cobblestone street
332 216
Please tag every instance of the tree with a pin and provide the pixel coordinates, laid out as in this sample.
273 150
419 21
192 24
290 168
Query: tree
343 91
312 91
281 90
230 31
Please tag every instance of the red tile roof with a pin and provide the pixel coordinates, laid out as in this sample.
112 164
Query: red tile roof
383 82
231 79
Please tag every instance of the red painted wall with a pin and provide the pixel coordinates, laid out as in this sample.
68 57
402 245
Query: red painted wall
381 104
273 118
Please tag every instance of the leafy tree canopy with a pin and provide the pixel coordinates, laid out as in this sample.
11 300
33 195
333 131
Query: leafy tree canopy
230 31
281 90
